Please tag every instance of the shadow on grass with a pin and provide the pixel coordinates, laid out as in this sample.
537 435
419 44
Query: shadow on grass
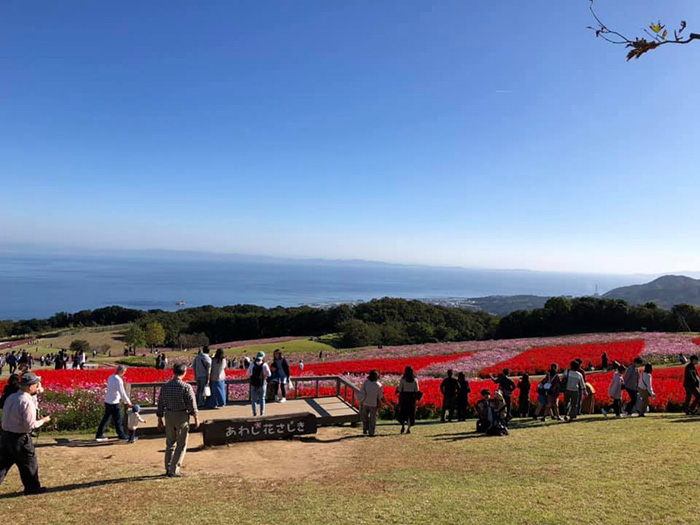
89 484
86 443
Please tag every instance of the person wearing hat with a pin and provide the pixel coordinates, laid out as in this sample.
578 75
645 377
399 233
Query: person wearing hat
258 374
19 420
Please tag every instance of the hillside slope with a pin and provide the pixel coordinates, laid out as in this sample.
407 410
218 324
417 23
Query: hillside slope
665 291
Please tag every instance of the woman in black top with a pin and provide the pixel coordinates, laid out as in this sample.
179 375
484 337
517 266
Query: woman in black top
463 396
524 396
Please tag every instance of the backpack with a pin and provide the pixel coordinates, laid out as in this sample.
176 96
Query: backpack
256 378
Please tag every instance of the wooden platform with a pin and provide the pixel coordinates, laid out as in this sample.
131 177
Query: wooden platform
328 411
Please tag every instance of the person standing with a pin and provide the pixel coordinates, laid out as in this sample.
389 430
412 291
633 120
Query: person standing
113 398
19 420
176 403
218 381
12 362
691 383
2 362
463 396
552 386
524 395
507 387
301 365
646 389
202 371
258 374
615 391
370 397
604 361
575 386
82 359
632 384
449 388
409 392
280 376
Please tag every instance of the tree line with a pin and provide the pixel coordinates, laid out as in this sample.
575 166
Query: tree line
383 321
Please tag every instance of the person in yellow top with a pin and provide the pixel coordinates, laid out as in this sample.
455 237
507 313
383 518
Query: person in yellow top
588 405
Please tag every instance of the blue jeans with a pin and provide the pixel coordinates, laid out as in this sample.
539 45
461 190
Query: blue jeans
115 413
257 397
218 394
201 383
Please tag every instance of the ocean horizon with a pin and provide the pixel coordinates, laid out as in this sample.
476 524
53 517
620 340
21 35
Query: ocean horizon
39 285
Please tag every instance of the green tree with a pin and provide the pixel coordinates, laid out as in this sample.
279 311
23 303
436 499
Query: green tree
79 345
155 334
134 336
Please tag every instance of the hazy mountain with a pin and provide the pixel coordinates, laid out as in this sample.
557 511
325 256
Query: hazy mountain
665 291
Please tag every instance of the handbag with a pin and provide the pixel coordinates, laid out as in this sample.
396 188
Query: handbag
207 391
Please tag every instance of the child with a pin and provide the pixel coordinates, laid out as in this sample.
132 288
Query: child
133 423
615 391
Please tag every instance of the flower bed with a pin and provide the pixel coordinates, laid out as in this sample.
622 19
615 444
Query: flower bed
538 360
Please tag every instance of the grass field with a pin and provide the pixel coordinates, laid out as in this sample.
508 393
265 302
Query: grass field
593 471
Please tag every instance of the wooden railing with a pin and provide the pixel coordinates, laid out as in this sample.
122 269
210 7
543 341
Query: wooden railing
343 388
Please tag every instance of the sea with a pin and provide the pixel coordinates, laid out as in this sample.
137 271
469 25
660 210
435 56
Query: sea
38 285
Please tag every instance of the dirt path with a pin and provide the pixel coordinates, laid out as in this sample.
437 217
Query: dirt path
299 458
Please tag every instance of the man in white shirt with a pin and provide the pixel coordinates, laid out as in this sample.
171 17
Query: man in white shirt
16 446
202 370
113 398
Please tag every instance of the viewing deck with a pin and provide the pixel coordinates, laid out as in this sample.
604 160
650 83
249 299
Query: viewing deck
331 399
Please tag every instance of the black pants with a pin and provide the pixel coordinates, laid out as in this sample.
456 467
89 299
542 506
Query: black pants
18 449
12 369
694 394
617 406
629 408
279 387
448 405
507 400
114 412
524 406
462 407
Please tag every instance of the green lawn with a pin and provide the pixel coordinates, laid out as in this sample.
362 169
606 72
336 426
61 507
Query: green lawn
593 471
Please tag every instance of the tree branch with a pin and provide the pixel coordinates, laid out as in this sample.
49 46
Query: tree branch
639 46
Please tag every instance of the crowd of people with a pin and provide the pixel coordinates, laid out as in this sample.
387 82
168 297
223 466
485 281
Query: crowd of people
177 402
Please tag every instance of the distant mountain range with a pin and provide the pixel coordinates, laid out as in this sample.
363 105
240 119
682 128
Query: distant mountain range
665 291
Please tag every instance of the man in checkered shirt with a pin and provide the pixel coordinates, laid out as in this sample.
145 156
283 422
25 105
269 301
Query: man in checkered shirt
176 403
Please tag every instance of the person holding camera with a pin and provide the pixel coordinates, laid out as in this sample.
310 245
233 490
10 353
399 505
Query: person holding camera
19 420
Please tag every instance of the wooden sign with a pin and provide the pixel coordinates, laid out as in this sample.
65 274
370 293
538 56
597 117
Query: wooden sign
223 432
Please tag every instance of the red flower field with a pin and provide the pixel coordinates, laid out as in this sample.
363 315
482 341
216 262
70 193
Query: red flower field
383 366
538 360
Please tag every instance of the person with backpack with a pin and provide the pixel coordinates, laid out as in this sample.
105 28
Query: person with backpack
507 387
258 374
463 396
691 383
449 389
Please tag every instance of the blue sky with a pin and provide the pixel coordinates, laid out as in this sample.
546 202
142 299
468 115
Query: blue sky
495 134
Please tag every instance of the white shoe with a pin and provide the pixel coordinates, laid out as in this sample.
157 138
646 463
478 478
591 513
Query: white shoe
101 440
283 400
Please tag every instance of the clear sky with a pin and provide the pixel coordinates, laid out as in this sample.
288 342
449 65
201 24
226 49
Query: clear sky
485 133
